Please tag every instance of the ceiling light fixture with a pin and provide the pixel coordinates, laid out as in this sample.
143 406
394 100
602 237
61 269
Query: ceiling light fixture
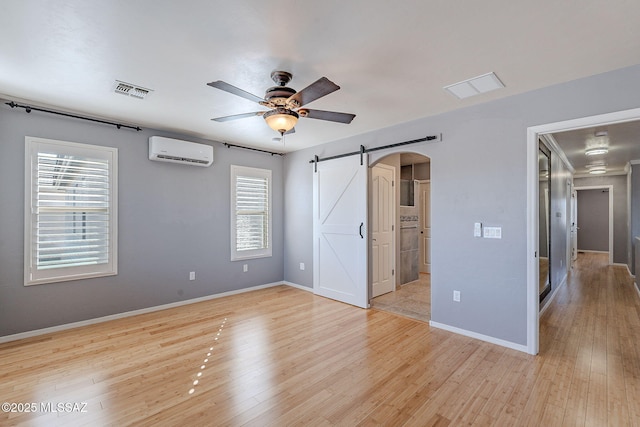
598 170
281 120
596 151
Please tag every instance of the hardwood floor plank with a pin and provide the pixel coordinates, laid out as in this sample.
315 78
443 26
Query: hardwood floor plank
281 356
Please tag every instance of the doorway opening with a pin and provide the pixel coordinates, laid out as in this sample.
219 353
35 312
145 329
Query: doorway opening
400 224
534 133
594 220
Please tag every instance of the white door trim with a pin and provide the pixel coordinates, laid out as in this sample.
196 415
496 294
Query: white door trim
533 132
610 188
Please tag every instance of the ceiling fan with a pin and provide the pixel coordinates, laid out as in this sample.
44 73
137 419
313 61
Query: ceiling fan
285 103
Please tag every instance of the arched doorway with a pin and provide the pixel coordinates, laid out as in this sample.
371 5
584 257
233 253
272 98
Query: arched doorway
400 224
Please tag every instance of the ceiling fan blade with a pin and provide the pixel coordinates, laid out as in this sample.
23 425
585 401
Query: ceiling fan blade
321 87
234 90
238 116
331 116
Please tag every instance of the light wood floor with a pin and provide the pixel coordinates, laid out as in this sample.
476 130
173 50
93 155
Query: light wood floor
282 356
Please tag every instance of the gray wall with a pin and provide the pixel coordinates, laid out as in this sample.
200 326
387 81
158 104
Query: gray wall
621 239
172 219
478 173
593 220
635 211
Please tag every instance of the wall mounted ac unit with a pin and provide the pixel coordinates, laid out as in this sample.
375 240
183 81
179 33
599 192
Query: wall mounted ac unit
163 149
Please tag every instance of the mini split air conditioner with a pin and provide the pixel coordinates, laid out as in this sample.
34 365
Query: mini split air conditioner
173 150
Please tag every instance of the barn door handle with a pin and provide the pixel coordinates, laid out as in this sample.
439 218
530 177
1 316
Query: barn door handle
361 225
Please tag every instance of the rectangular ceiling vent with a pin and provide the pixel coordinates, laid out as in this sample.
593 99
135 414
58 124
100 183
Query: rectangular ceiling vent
123 88
131 90
475 86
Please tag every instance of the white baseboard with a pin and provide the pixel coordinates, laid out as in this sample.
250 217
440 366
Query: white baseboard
87 322
592 252
481 337
295 285
621 264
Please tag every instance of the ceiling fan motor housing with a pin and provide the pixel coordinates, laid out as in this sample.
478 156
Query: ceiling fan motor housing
279 94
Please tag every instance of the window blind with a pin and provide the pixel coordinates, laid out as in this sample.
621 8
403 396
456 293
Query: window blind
72 211
252 213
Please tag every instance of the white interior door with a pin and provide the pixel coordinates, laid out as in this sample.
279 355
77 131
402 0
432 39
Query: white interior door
425 227
340 230
383 253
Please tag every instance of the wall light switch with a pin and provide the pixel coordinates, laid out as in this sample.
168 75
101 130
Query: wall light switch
302 266
192 275
456 296
245 268
477 229
493 232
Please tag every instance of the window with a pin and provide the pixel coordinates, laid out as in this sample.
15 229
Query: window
70 211
250 213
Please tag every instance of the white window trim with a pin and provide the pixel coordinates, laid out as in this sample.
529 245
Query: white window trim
257 173
72 273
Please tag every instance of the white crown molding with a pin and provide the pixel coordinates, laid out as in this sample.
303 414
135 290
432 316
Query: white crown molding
555 147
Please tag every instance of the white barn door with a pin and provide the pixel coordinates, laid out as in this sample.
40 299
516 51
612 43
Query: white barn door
340 230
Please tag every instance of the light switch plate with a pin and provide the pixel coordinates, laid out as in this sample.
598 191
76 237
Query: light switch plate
492 232
477 229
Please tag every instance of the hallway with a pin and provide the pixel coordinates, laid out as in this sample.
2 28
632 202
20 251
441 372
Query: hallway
590 349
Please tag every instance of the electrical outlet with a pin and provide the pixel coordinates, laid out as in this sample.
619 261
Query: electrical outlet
456 296
192 275
477 229
245 267
302 266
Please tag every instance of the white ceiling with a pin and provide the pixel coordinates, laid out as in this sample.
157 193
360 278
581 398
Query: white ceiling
391 59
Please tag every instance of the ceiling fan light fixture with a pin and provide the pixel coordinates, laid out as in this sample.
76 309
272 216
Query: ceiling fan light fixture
281 120
596 151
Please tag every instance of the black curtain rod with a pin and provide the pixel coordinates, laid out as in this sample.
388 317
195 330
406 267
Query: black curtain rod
28 109
226 144
368 150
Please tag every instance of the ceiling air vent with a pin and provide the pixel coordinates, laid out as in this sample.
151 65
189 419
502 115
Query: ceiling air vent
131 90
123 88
138 92
475 86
